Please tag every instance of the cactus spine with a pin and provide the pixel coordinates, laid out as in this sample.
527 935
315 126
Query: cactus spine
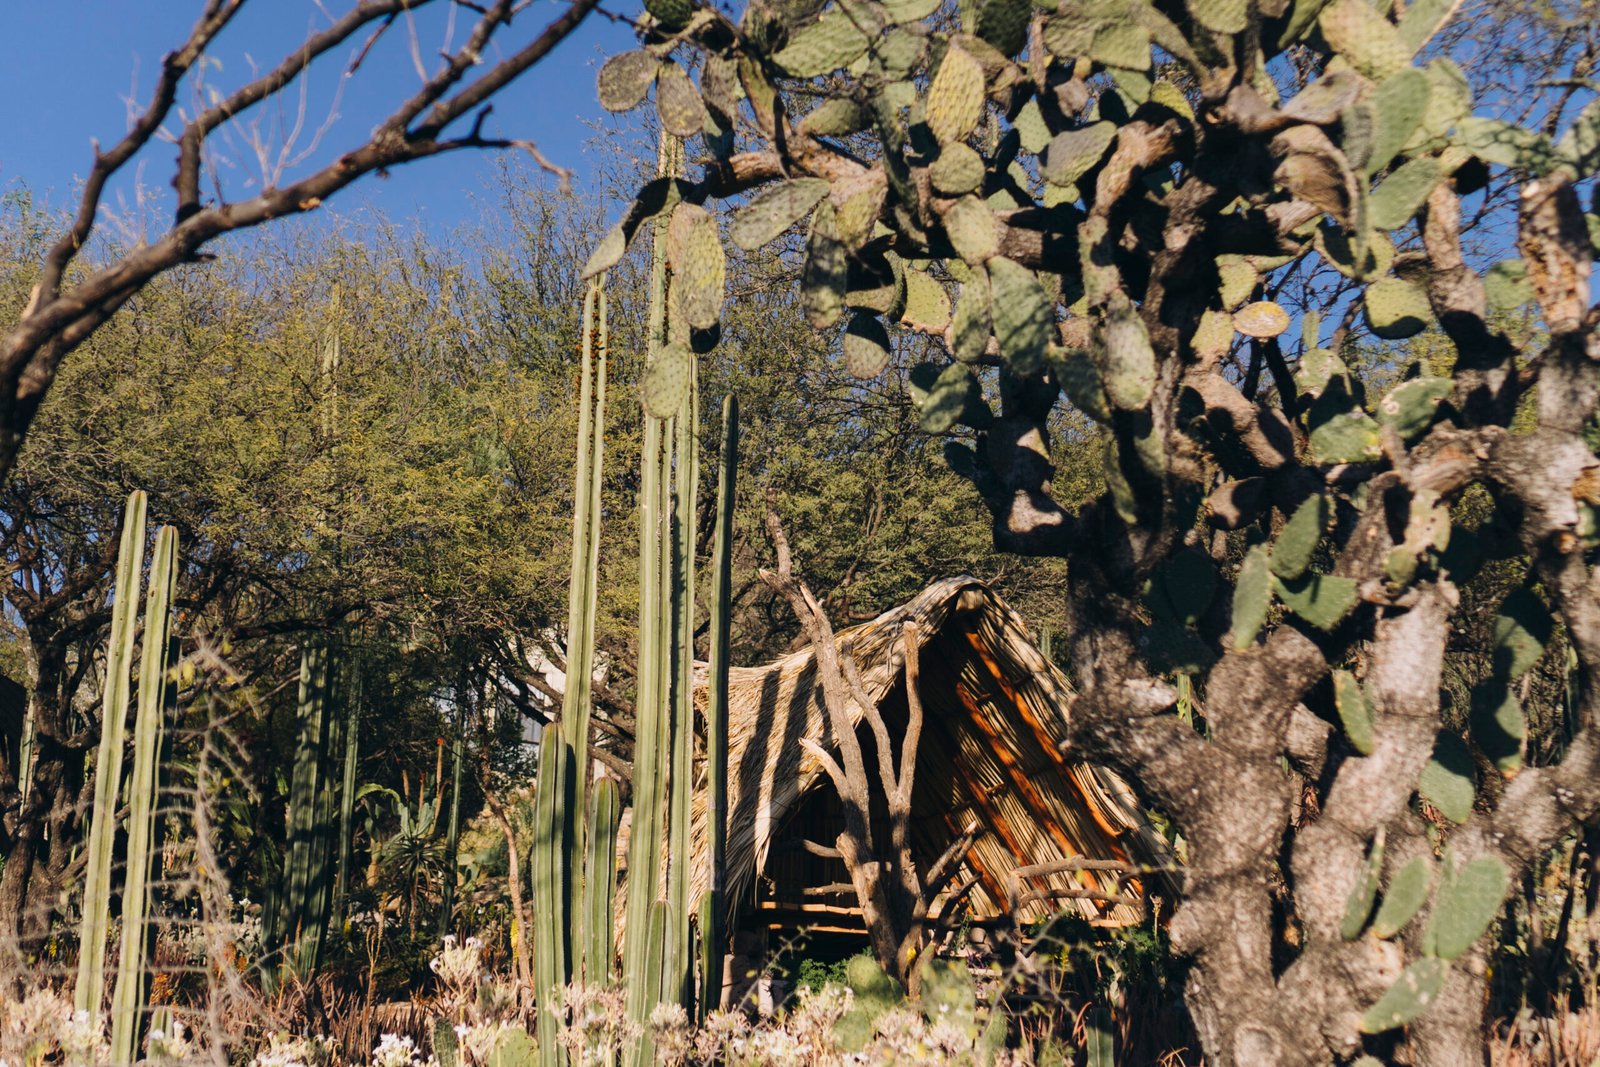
128 996
713 931
90 988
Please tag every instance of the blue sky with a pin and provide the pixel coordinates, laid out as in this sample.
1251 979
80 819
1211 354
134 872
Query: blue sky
68 66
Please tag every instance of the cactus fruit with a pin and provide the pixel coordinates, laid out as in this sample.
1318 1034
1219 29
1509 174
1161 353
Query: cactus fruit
1073 153
1364 892
955 96
1261 319
1402 193
1023 316
625 79
958 170
766 217
1321 600
1467 904
969 224
866 345
683 113
1297 541
1407 892
1449 781
1355 711
831 42
1410 996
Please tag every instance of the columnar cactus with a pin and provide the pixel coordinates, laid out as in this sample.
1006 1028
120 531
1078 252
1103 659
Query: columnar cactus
713 929
90 990
127 1000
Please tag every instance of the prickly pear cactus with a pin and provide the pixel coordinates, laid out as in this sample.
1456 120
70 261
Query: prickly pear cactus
1097 218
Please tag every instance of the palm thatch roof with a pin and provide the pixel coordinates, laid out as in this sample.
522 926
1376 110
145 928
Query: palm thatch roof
990 753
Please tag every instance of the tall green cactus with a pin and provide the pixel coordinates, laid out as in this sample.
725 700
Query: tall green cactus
347 790
128 996
558 855
452 837
90 990
600 882
297 917
713 915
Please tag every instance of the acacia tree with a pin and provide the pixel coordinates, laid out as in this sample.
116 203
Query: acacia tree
446 113
1113 187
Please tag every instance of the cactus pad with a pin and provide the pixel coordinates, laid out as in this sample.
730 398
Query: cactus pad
1468 902
866 345
970 226
1411 995
1402 193
970 324
1071 154
957 170
1411 407
1397 309
1321 600
826 272
678 102
1398 106
1498 724
1004 24
1297 541
1356 30
1449 781
1407 892
831 42
1223 16
1127 360
1022 315
769 215
1355 711
955 97
927 305
1261 319
626 79
835 117
666 382
694 250
944 396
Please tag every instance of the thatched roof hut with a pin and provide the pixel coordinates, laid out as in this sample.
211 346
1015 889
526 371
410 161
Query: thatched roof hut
990 754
